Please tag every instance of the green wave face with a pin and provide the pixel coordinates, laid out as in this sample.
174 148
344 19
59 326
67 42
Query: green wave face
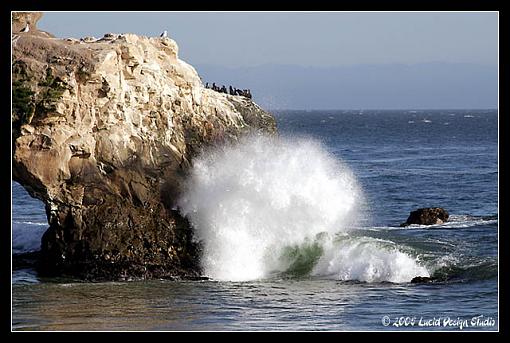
301 259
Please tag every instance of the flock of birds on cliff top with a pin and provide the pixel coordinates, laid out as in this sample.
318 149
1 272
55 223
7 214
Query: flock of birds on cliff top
231 90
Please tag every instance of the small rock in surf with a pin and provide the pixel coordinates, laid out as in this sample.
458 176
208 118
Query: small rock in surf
423 279
427 216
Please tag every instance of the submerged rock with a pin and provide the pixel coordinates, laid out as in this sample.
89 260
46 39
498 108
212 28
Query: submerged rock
423 279
427 216
103 133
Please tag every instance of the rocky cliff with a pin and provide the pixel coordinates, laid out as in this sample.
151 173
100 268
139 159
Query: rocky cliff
104 131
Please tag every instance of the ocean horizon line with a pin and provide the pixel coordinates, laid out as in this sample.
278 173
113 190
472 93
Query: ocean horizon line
382 109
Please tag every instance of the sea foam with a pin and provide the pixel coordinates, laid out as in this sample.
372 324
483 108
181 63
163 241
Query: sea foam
367 259
250 202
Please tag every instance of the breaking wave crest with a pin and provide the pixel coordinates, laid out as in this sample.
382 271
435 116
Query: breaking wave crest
282 206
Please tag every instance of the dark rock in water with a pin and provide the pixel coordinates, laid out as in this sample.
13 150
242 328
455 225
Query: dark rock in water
25 260
427 216
104 133
197 278
423 279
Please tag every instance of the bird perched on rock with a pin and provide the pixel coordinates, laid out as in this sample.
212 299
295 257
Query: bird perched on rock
164 34
26 29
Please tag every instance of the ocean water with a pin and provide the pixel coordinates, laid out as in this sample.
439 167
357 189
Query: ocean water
301 232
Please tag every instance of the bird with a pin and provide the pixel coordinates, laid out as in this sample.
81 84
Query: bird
164 34
26 29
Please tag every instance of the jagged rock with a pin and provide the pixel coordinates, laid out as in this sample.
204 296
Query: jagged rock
427 216
104 133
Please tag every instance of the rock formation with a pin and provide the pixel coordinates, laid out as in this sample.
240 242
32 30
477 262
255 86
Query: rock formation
103 133
21 19
427 216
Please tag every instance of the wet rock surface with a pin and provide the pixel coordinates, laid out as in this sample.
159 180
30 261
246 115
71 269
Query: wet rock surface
427 216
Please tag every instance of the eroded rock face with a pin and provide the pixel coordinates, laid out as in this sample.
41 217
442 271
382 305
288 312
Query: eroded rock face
427 216
103 133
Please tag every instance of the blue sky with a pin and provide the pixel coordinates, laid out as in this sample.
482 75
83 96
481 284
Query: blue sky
301 38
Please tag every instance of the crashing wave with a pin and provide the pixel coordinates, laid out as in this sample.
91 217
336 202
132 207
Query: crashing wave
258 207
